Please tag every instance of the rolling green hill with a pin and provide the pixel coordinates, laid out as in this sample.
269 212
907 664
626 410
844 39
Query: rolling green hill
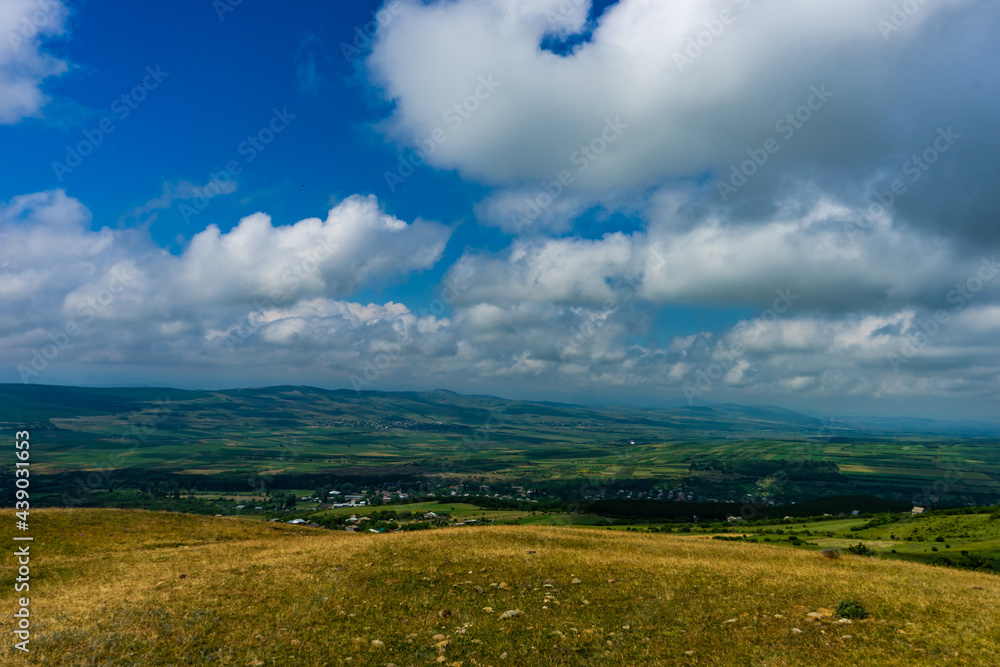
282 431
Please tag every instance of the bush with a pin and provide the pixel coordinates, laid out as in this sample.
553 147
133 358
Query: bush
860 549
831 553
852 609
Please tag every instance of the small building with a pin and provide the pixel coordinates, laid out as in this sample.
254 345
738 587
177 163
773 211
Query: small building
917 510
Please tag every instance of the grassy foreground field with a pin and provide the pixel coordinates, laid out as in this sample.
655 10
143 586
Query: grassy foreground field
117 587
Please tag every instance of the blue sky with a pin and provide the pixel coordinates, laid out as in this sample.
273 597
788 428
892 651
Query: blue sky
713 159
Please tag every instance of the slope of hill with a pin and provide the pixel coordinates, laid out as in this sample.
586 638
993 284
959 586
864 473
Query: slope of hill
280 432
115 587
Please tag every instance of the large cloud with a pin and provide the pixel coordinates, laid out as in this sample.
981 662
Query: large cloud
23 63
895 78
118 293
821 253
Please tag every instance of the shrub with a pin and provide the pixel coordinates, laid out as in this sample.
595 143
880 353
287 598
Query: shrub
852 609
831 553
939 539
860 549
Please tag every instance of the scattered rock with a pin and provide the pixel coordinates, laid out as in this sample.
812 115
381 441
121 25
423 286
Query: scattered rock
846 637
529 551
181 576
438 637
511 613
797 631
479 589
688 652
488 610
503 585
845 621
378 643
612 581
444 613
576 581
732 620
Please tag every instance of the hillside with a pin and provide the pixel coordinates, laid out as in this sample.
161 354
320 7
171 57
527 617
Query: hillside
305 437
114 587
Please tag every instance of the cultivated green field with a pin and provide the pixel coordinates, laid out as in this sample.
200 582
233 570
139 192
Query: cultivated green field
301 430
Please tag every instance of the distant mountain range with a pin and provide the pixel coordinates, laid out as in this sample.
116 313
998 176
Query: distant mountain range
20 404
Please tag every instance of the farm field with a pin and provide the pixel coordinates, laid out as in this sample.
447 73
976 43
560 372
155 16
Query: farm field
278 432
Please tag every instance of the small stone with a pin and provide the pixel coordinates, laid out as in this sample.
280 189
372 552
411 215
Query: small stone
846 637
612 581
444 613
576 581
797 631
478 589
845 621
503 656
488 610
511 613
778 616
732 620
688 652
438 637
503 585
378 643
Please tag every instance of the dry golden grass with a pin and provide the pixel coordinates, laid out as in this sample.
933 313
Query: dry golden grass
107 589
